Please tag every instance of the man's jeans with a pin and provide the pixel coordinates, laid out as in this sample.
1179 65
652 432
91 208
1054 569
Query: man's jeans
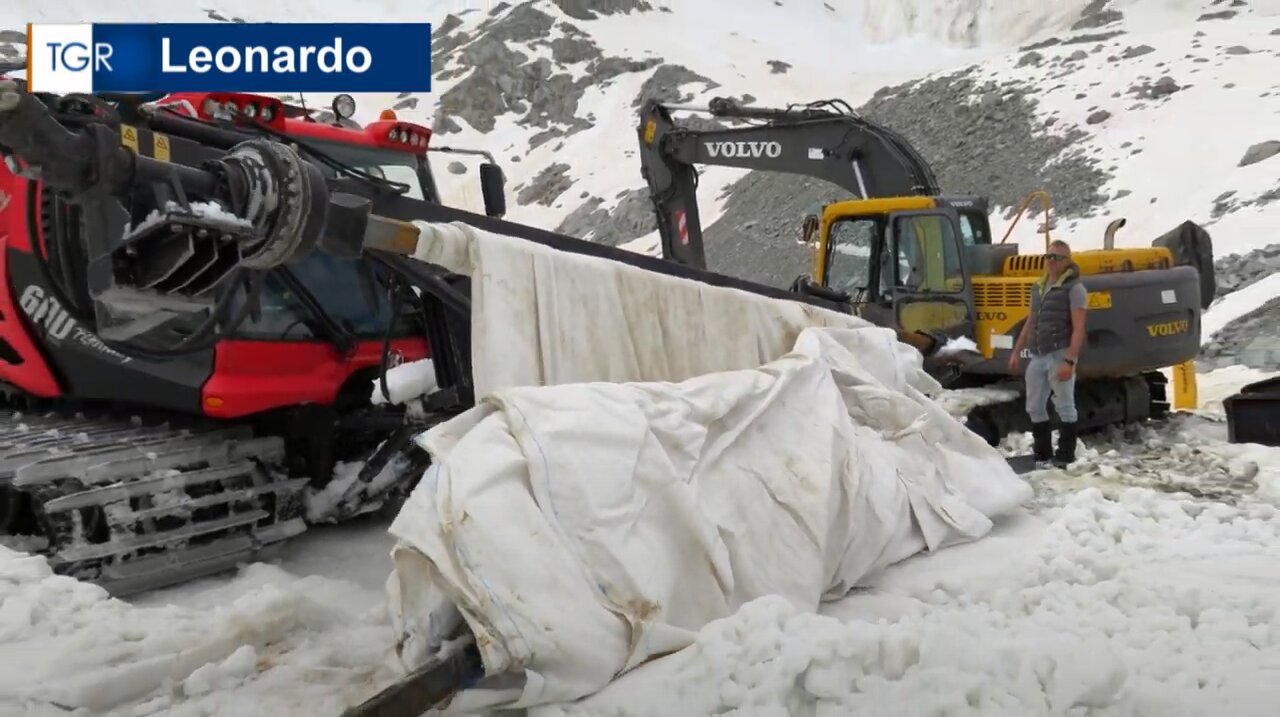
1041 377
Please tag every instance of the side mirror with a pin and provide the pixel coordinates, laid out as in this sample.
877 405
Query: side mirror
493 185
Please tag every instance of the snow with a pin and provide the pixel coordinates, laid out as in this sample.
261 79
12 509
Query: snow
1231 103
211 211
1214 386
267 641
1145 604
1236 304
957 345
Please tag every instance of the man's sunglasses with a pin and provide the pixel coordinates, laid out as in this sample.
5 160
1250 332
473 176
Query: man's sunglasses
1055 257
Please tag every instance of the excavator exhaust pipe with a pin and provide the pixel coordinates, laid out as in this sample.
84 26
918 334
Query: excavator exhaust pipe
1109 238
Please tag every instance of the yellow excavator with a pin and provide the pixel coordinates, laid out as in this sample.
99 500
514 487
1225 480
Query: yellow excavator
904 255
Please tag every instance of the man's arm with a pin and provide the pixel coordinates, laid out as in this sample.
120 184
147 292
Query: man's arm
1078 299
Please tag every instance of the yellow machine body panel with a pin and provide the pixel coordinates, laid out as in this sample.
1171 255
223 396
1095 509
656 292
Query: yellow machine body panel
1094 261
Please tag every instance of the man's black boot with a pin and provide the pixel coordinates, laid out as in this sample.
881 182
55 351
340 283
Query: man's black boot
1066 454
1042 441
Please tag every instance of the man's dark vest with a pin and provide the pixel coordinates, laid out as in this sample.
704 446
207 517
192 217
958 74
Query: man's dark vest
1052 329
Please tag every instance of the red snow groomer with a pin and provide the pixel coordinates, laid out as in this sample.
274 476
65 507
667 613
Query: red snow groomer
174 400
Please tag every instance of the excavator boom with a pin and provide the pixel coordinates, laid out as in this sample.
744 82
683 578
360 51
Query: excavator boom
823 140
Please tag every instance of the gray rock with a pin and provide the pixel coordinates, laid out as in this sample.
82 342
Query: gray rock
1047 42
1267 197
632 218
1237 50
524 23
1077 56
590 9
456 167
1259 152
1098 117
442 49
1106 17
1222 206
665 83
1238 271
1031 58
1138 51
13 36
546 135
1162 87
1252 340
572 50
1275 31
444 124
451 22
546 186
8 51
1093 37
778 67
1220 15
1096 14
607 68
407 103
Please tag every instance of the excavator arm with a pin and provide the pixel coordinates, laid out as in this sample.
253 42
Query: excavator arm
824 140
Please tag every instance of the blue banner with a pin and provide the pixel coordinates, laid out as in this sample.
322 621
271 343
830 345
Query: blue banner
262 57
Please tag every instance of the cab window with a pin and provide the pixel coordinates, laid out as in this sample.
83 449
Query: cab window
971 231
849 254
927 255
336 285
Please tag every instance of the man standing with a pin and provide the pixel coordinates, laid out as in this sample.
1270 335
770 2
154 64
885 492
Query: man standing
1054 331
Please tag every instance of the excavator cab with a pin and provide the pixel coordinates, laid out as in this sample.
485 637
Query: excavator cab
901 262
931 290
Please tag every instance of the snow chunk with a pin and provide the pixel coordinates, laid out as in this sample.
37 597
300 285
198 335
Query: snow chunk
407 382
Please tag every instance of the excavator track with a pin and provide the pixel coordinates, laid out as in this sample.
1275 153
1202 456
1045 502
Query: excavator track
133 506
1100 403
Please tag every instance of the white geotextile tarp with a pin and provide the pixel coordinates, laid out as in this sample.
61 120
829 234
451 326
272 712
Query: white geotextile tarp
544 317
581 527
